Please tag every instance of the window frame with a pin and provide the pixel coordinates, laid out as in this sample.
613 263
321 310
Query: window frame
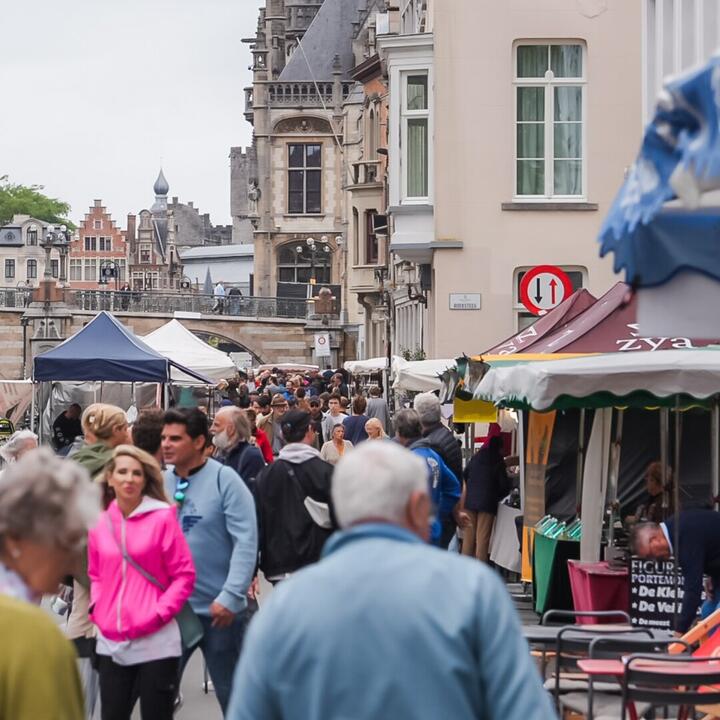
104 243
32 238
405 116
145 248
304 170
55 268
31 263
97 224
75 270
549 121
296 266
10 265
367 259
90 270
90 243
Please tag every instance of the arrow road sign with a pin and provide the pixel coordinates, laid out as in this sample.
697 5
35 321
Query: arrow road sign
543 288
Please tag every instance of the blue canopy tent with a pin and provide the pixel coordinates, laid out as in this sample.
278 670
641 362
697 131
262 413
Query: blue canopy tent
106 350
672 256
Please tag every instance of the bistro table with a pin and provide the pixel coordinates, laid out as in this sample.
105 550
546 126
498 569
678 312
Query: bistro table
596 586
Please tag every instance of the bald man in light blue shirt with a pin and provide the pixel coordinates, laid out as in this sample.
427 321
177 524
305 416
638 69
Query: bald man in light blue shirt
385 626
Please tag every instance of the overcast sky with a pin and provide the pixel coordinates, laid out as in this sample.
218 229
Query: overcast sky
96 95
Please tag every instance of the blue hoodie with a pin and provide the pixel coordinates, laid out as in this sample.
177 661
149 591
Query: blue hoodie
220 525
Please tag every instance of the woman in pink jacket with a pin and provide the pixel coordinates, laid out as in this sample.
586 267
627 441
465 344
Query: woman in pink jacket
138 644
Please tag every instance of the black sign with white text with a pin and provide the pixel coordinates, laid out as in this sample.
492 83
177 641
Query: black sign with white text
653 587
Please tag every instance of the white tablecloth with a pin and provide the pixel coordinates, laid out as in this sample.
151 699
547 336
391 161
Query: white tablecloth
504 546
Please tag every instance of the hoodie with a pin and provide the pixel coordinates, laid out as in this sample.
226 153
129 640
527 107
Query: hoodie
123 604
289 538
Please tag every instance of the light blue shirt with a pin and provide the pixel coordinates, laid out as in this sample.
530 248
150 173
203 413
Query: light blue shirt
385 626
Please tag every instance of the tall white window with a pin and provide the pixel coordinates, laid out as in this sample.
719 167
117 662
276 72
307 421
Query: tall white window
76 266
91 271
549 121
415 141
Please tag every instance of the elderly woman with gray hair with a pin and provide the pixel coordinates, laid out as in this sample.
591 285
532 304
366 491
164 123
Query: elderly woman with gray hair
46 507
19 443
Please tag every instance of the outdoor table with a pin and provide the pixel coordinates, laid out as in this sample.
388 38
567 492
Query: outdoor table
504 545
596 586
546 635
551 582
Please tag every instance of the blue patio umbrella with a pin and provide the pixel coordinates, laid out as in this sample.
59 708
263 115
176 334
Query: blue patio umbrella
679 157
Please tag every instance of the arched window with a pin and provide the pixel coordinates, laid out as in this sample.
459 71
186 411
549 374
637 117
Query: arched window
298 263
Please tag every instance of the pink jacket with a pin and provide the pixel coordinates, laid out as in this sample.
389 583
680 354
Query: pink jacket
123 604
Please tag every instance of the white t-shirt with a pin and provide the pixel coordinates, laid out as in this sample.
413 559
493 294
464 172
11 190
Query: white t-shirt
165 643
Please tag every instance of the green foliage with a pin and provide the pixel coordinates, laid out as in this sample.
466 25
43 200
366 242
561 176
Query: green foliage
417 354
30 200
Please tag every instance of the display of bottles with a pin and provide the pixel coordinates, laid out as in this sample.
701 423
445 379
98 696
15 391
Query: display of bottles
551 527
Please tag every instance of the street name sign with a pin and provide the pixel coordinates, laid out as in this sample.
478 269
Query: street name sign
653 588
465 301
543 288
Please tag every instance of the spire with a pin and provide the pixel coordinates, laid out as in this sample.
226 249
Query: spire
161 186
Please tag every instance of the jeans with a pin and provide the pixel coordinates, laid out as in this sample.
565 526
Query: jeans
221 649
154 682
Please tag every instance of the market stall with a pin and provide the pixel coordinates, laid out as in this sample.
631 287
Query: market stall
419 375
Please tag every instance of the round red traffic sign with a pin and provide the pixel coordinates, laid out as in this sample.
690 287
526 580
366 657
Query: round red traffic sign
543 288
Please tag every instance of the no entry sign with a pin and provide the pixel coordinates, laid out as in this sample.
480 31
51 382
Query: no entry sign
543 288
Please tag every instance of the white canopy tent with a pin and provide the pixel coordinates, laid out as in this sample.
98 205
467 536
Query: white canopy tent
635 378
419 375
366 367
175 341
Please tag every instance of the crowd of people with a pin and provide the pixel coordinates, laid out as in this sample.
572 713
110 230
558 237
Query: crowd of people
152 538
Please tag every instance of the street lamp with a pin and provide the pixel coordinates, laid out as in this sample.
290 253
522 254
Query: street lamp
58 238
315 250
109 269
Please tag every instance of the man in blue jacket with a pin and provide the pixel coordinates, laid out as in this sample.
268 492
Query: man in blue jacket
385 626
699 545
444 486
217 514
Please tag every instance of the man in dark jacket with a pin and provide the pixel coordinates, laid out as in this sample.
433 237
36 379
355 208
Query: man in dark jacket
232 432
440 439
293 501
699 545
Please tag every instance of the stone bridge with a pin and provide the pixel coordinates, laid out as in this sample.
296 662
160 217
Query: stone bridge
279 336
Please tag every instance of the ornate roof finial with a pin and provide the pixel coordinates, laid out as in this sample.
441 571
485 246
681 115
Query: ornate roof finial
161 186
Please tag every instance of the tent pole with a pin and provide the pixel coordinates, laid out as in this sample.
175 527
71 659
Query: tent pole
32 408
614 473
715 451
664 445
102 387
676 503
50 409
166 396
580 461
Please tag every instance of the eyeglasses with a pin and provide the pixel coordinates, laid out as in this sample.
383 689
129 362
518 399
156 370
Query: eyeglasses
180 487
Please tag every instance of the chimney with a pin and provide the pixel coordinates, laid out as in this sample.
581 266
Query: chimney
190 204
175 200
98 203
130 235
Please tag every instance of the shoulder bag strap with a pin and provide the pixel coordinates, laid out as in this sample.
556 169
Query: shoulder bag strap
128 559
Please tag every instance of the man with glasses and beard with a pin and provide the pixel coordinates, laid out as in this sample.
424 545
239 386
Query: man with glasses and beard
217 514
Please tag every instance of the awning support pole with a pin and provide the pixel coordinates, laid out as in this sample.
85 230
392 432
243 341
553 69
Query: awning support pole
664 446
580 462
676 502
614 473
715 451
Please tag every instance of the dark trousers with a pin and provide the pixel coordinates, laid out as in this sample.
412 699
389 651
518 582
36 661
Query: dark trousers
448 530
155 683
221 649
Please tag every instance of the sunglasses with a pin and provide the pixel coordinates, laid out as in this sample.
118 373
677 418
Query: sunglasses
180 487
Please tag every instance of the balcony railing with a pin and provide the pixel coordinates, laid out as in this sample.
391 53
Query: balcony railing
306 94
151 301
366 171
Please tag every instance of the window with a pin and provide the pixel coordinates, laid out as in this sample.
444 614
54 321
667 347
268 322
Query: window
120 263
549 133
55 268
105 244
90 244
97 224
31 269
371 239
145 254
301 267
32 235
75 269
304 179
578 278
10 269
415 126
91 273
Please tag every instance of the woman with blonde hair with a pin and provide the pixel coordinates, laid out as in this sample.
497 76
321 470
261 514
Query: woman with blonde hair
333 450
141 574
104 428
374 429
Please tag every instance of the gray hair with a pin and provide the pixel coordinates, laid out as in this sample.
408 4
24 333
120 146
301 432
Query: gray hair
240 422
47 499
407 424
16 444
640 535
375 482
427 405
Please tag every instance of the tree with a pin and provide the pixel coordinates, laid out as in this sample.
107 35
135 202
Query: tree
30 200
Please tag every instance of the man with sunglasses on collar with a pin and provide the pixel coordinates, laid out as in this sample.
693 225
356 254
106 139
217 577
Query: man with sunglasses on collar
217 514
